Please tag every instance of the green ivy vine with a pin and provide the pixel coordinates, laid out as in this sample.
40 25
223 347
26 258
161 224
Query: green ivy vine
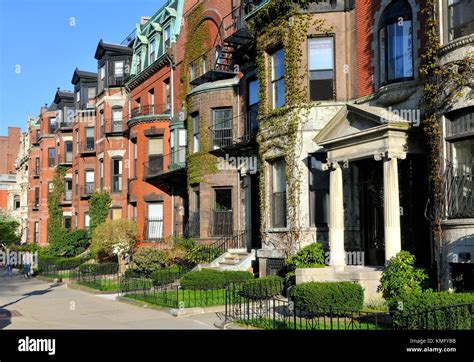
197 42
442 86
282 23
56 230
99 205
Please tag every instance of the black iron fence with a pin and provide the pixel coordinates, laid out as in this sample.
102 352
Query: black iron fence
150 109
221 223
193 226
209 252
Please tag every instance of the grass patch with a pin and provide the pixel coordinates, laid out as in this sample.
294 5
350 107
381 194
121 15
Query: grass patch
320 324
187 298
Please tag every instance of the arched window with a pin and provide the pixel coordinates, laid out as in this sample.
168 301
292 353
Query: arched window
396 43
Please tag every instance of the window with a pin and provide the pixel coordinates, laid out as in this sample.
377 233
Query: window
321 69
67 223
396 43
196 200
90 142
196 136
251 125
278 194
154 221
52 125
87 220
117 120
102 76
37 197
50 187
116 174
278 78
68 151
102 123
151 100
118 68
167 36
135 158
139 62
318 191
167 94
16 202
91 93
36 232
222 127
78 96
138 107
155 156
76 137
134 212
68 190
37 166
222 213
51 156
89 182
76 182
178 146
152 50
460 18
116 213
101 174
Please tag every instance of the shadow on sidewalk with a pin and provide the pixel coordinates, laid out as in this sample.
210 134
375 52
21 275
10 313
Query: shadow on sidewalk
5 318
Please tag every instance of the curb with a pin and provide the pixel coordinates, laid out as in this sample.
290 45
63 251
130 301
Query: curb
183 312
141 304
49 280
83 288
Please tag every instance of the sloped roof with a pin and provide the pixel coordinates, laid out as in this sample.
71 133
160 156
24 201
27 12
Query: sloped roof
81 74
103 47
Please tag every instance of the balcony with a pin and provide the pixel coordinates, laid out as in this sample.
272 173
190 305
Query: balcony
65 126
153 230
150 110
221 223
215 64
86 115
65 159
86 190
66 198
235 26
169 168
114 128
223 135
87 147
459 188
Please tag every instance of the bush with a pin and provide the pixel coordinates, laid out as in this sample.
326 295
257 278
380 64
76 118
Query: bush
167 275
201 254
62 263
265 287
114 238
400 278
8 231
71 244
420 310
338 295
99 269
311 256
208 279
147 260
184 243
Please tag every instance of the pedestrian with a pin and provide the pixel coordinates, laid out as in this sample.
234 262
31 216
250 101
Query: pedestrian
10 262
27 264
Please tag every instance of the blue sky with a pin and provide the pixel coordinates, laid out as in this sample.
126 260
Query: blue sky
43 41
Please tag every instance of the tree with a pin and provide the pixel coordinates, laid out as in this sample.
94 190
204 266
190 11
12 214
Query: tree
116 238
8 231
99 205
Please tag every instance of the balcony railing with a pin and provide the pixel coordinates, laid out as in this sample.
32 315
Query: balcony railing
65 159
221 223
87 147
117 183
87 189
65 126
154 166
112 127
223 134
149 110
235 26
153 229
459 187
85 115
66 197
214 64
192 228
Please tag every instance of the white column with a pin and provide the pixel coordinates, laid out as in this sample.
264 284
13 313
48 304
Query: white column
336 217
391 207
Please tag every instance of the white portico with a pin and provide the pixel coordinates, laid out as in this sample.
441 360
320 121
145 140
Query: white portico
362 135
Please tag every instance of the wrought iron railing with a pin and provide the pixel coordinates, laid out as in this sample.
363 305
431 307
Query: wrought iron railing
223 134
65 158
87 189
459 186
214 59
221 223
149 109
87 146
154 166
209 252
65 125
66 197
192 228
112 126
153 229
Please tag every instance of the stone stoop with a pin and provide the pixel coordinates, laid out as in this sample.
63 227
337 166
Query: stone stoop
233 259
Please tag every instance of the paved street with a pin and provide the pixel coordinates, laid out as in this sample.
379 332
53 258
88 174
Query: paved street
34 304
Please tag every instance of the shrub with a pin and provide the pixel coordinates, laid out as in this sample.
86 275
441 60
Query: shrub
338 295
208 278
400 278
167 275
421 310
62 263
71 244
201 254
147 260
311 256
8 231
114 238
184 243
265 287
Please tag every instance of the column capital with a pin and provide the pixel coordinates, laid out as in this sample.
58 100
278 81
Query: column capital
388 155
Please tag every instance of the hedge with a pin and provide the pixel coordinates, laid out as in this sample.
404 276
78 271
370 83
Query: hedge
334 295
434 310
264 287
167 275
99 269
62 263
208 279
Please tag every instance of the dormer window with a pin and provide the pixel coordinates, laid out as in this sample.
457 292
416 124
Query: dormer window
118 69
167 36
152 50
102 76
396 43
139 63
